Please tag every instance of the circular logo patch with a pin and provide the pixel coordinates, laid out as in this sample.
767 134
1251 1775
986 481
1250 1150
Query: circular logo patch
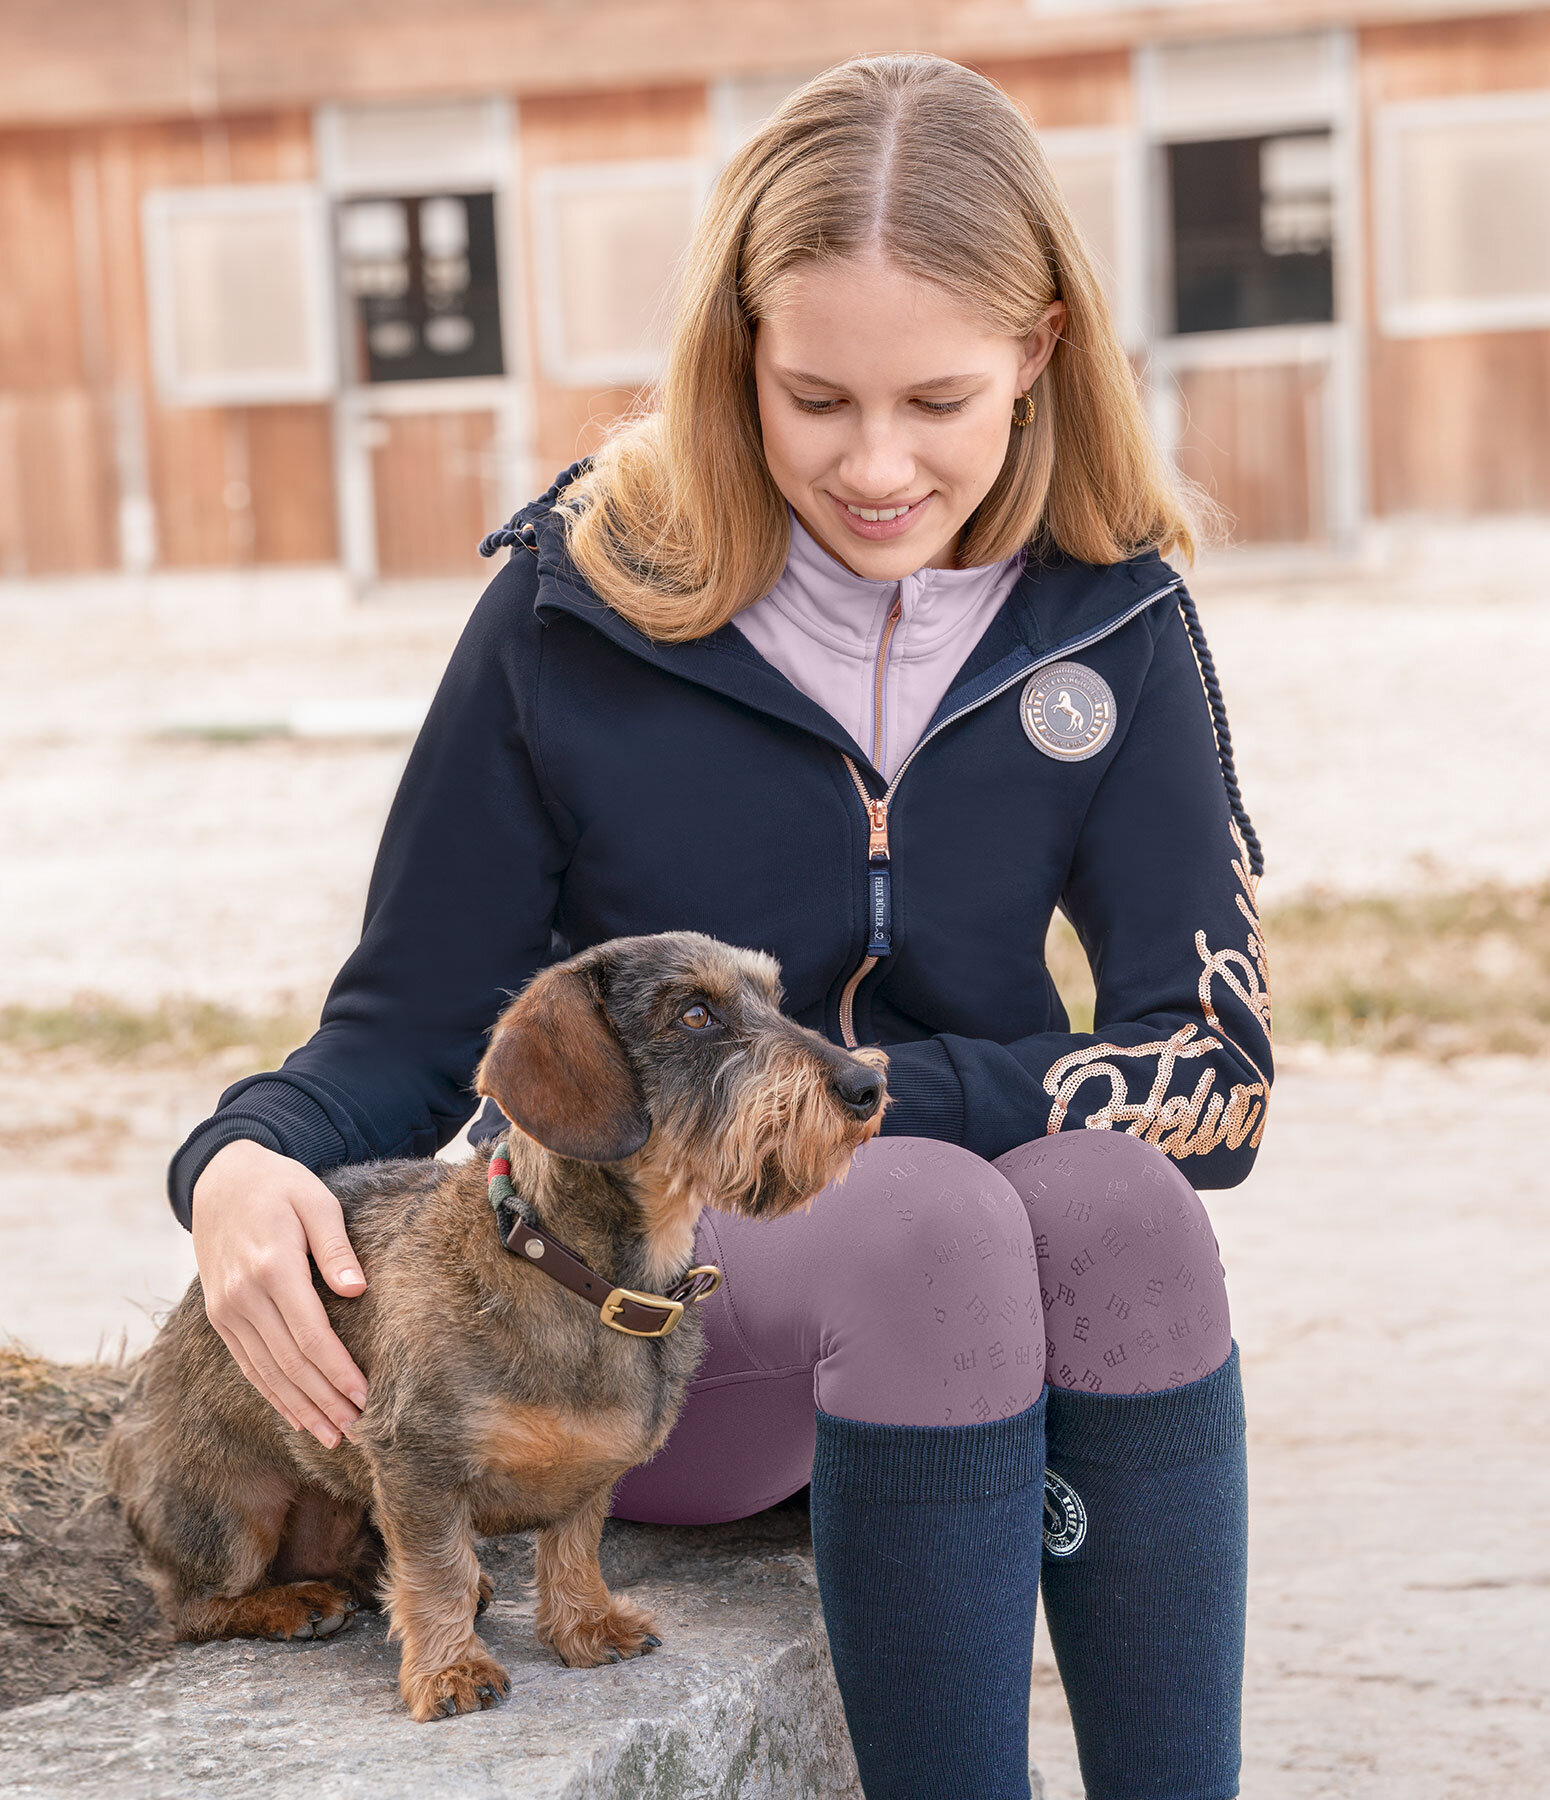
1065 1517
1068 711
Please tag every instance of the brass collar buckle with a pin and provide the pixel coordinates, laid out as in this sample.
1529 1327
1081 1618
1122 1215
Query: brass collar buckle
613 1307
697 1285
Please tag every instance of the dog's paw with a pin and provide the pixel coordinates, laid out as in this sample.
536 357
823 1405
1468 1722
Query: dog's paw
486 1593
301 1611
467 1686
585 1641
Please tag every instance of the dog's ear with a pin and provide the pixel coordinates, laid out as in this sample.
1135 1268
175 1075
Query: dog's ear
555 1067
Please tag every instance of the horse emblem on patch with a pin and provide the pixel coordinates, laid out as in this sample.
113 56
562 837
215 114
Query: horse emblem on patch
1068 711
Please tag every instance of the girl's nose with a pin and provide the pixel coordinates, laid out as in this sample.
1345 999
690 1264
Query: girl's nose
878 465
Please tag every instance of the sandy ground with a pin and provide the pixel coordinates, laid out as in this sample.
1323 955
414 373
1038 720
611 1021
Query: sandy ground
1387 1258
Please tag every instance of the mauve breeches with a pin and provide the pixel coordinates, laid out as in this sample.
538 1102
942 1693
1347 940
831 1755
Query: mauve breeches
930 1287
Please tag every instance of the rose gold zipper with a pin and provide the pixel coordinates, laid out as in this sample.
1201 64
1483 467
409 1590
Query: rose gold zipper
848 1001
879 676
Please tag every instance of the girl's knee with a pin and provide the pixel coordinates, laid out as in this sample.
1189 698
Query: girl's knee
941 1322
1078 1175
1133 1290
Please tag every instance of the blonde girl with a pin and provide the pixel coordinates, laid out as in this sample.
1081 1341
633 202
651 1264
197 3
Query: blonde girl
859 647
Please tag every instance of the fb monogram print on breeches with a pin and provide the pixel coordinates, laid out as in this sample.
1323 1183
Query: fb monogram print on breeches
1184 1124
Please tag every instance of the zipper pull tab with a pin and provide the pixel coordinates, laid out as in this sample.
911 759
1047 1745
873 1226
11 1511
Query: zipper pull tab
879 882
877 839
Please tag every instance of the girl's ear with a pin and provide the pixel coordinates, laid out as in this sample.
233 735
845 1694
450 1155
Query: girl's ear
556 1068
1039 345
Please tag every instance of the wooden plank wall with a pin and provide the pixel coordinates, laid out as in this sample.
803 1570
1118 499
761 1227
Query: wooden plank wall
1253 439
1067 91
57 496
579 128
80 424
95 59
1459 424
435 486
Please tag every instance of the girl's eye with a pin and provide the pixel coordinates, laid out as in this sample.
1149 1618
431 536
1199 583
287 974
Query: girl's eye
821 407
695 1017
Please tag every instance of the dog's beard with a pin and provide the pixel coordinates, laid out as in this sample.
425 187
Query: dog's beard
769 1135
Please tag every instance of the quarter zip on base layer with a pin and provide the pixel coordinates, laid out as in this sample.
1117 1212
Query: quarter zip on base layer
879 679
879 864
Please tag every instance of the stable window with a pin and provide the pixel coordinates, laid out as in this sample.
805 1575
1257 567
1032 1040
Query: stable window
1463 214
239 296
421 275
1252 231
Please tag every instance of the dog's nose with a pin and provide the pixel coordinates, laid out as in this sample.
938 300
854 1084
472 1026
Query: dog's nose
860 1089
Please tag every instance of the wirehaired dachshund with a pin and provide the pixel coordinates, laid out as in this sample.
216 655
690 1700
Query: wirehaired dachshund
515 1374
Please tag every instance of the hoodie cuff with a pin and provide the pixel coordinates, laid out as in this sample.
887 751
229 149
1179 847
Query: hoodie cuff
276 1114
927 1094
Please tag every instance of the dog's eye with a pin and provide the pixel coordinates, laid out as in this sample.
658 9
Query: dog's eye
696 1017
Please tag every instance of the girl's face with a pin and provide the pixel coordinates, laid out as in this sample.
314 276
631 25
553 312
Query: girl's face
878 395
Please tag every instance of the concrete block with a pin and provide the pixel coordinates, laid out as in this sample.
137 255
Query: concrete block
739 1704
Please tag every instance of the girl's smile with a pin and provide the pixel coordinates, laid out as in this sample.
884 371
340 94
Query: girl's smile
877 522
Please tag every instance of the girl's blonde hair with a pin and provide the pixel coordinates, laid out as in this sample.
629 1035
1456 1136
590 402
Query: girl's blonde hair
677 522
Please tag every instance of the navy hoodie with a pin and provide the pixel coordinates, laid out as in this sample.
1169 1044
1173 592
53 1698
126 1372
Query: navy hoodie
575 781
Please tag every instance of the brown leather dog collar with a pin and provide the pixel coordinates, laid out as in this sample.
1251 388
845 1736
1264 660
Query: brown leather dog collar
621 1309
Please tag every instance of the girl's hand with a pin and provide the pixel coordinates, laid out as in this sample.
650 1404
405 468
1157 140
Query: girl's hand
256 1215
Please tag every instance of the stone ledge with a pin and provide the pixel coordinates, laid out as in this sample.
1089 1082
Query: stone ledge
739 1704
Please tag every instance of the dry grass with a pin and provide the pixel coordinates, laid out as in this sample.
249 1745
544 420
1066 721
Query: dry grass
1439 975
186 1031
73 1610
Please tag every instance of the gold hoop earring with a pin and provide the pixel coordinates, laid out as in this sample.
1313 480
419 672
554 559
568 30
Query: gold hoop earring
1022 409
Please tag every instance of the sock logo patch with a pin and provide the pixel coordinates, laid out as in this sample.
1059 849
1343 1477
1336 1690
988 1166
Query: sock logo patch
1065 1517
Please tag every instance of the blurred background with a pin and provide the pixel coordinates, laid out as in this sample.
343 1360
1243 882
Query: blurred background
297 301
291 286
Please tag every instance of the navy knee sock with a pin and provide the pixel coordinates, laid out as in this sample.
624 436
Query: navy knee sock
926 1540
1144 1584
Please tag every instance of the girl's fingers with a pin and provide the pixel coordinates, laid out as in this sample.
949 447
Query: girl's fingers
324 1411
316 1343
322 1219
249 1355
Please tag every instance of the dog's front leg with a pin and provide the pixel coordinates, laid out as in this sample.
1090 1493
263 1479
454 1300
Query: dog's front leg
576 1615
432 1590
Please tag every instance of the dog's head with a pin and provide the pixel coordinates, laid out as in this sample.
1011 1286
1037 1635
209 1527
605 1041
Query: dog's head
673 1049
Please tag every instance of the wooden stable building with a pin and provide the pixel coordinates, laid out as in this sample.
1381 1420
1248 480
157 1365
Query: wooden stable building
288 283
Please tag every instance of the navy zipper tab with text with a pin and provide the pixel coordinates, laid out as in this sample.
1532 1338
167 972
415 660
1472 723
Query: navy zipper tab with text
879 881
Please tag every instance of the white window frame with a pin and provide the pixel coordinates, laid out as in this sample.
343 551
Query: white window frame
1126 146
1256 114
551 187
1402 318
318 379
486 167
